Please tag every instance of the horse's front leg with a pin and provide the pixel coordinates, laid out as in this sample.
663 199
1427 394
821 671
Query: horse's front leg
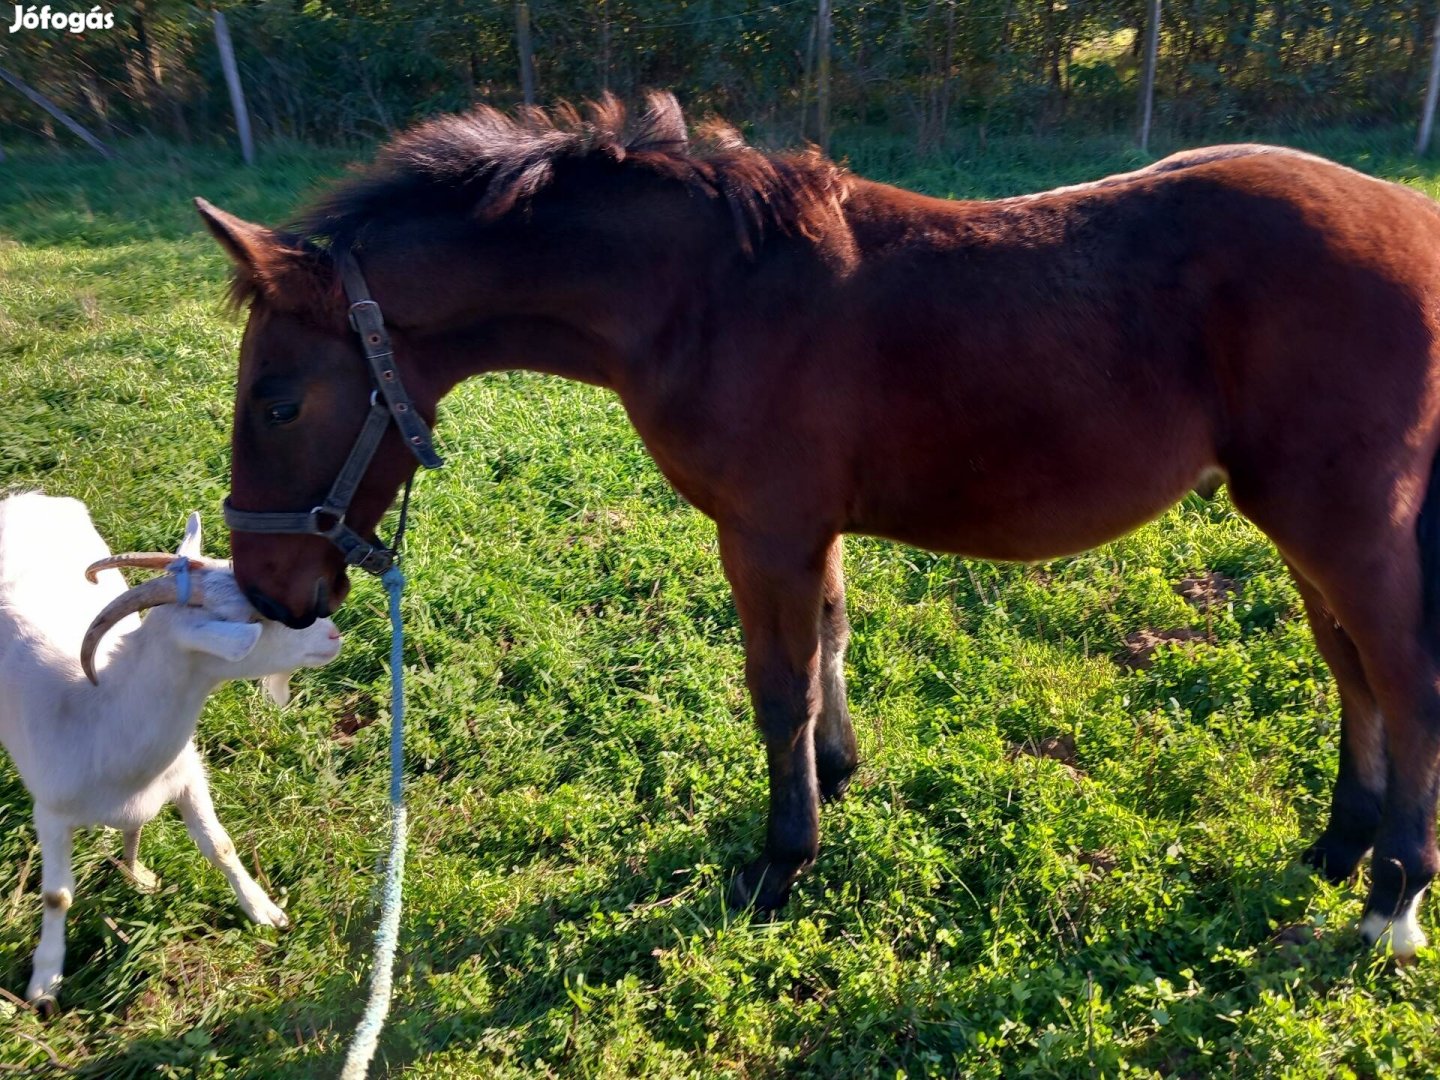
836 756
778 586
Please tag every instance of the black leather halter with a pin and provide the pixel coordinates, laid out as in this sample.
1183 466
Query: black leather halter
388 402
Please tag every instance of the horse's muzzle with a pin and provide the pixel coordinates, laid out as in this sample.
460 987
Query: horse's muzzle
276 612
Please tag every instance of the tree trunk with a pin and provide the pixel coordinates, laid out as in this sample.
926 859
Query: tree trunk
147 57
822 75
527 56
807 75
604 45
91 89
948 68
1147 93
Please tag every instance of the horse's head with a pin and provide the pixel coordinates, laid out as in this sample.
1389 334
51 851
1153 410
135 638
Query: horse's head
302 395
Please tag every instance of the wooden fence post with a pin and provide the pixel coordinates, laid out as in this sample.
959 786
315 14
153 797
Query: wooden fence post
1432 90
237 92
1147 94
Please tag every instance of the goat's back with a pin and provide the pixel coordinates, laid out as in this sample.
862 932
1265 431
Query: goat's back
45 601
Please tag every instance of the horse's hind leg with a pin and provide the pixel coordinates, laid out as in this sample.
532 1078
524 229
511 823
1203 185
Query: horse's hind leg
1405 857
778 582
835 753
1355 806
1374 591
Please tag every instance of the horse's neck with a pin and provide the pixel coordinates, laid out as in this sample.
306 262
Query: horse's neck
529 343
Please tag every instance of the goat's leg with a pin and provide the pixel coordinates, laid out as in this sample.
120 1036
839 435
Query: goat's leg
57 890
214 843
141 875
777 582
835 753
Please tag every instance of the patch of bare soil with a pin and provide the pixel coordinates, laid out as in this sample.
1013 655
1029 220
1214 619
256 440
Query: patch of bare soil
1099 862
1139 650
1059 748
1208 591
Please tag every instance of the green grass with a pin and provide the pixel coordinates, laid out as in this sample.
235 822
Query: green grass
583 772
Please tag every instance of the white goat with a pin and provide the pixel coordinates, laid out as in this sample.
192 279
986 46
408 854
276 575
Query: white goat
114 753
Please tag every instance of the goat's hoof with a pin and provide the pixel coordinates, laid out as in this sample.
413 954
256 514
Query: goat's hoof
44 1002
264 912
142 877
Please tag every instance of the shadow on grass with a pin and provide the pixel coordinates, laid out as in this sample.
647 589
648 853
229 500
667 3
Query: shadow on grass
618 926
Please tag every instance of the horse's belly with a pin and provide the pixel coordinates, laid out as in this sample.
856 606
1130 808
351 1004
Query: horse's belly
1036 512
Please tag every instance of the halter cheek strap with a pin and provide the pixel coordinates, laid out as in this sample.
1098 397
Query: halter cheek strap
388 403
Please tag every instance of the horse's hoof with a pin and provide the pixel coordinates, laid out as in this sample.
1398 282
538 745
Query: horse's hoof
834 777
761 887
833 789
1402 934
45 1006
1334 862
739 895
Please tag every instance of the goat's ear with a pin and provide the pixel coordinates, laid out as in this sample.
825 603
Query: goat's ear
229 641
190 545
277 688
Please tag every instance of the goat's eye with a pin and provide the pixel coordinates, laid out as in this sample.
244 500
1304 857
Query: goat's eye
282 412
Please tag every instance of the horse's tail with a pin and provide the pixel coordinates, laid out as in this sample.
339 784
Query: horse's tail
1427 530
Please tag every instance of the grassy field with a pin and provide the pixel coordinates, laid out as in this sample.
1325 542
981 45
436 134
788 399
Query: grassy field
583 771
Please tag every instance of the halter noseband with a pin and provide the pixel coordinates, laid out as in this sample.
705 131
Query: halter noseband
388 401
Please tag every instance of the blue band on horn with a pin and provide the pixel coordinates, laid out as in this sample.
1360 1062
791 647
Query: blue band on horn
181 569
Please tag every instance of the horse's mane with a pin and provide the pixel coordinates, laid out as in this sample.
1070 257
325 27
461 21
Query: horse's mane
484 163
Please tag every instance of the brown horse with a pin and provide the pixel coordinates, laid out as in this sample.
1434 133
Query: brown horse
806 354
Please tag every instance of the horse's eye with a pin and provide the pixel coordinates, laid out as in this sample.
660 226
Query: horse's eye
282 412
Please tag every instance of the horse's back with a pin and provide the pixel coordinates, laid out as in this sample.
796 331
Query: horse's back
1056 368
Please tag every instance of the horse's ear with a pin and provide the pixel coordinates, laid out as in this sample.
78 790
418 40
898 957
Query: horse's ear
278 265
249 246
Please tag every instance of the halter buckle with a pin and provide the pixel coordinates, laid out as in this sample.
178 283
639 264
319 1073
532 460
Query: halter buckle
372 310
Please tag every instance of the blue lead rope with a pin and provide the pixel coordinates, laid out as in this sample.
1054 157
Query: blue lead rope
387 934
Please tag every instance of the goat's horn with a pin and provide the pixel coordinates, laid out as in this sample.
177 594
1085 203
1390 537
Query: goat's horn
153 593
143 560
